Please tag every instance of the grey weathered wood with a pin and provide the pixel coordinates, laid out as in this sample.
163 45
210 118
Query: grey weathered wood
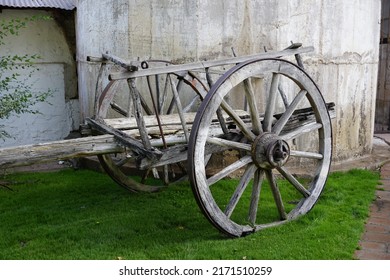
255 116
206 64
126 140
229 169
58 150
229 144
270 109
179 108
276 194
294 182
166 120
277 128
178 153
311 126
292 124
238 120
139 114
130 66
244 181
255 197
304 154
121 179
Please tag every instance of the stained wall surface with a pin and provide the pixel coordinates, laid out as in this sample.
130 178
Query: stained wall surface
345 36
55 70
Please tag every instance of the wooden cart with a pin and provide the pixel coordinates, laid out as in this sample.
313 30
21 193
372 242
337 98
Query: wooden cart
252 119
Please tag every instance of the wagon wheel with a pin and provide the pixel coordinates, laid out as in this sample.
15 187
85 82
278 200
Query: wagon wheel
159 95
286 135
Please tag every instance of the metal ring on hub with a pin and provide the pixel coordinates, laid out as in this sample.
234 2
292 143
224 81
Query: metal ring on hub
278 153
270 151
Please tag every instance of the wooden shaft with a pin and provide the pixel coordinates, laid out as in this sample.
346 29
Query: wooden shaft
58 150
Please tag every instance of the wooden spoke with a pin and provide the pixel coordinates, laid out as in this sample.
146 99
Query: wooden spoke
283 95
294 181
179 108
279 125
107 98
117 108
155 109
145 105
271 103
303 154
130 106
255 116
166 174
228 143
229 169
175 89
276 194
245 179
163 97
239 122
300 131
158 93
191 104
139 115
255 197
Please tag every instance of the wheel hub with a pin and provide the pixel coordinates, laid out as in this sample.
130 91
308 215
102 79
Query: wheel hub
270 151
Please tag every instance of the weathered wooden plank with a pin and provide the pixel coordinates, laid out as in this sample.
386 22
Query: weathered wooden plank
126 140
58 150
166 120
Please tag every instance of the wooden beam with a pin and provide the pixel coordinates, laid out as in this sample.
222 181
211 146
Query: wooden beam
125 139
58 150
205 64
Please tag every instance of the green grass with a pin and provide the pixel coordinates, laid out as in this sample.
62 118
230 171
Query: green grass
84 215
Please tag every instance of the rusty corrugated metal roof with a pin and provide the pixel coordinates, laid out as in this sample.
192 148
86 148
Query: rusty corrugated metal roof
59 4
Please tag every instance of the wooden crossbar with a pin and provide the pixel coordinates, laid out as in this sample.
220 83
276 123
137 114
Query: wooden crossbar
166 120
206 64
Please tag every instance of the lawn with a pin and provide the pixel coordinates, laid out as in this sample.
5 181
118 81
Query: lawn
84 215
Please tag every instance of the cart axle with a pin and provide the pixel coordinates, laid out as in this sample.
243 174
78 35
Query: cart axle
270 151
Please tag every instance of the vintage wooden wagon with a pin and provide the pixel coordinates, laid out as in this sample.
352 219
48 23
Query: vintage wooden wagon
254 119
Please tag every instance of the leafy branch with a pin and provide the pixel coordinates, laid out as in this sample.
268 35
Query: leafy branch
16 93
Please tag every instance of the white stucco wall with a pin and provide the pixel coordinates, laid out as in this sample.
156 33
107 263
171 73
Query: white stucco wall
344 33
56 66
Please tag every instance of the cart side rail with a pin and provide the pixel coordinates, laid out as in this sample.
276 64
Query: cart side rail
200 65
